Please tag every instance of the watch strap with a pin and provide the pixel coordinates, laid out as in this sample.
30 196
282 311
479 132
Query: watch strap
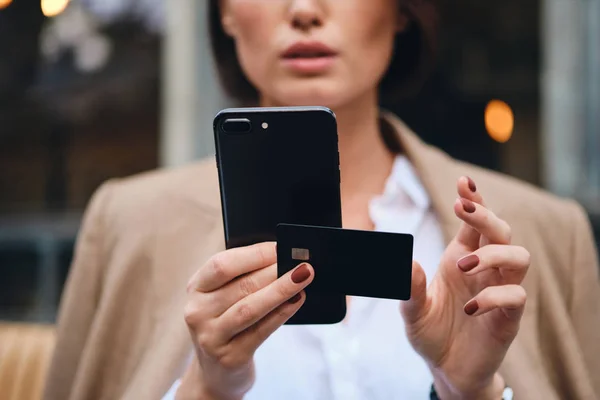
507 393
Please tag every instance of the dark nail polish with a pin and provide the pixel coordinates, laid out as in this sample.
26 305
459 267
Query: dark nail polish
468 263
472 185
468 205
301 274
471 307
296 298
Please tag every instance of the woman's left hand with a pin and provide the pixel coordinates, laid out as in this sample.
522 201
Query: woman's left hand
465 321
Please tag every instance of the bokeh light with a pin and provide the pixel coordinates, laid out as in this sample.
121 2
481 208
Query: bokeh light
4 3
51 8
499 120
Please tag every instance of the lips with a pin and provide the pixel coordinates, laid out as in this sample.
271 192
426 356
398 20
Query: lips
308 50
309 57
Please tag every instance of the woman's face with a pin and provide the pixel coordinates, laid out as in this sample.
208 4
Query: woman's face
313 52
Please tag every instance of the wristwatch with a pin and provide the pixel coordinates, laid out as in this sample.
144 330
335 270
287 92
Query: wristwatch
507 394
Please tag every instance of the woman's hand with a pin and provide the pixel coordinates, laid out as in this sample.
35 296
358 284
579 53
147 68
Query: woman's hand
465 321
236 302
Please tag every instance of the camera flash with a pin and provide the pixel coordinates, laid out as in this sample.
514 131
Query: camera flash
300 254
265 125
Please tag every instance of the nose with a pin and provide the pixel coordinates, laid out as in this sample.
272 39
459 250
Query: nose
307 14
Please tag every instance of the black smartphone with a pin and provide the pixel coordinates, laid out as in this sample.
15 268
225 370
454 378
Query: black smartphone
280 165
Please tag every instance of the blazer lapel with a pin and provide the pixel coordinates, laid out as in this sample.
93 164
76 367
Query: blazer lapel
437 171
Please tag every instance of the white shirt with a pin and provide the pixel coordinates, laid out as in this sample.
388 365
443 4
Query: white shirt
368 356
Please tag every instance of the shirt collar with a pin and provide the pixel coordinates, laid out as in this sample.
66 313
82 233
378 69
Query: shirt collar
404 178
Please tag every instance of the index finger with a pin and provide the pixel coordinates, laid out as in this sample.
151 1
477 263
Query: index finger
467 189
228 265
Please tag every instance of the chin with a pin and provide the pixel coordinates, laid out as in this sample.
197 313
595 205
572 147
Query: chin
319 92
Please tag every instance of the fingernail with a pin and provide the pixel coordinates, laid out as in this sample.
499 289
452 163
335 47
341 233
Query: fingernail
297 297
472 185
468 205
471 307
468 263
301 273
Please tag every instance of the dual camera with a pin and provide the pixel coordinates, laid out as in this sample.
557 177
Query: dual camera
239 126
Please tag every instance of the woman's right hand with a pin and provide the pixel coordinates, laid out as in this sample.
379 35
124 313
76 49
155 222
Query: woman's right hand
235 302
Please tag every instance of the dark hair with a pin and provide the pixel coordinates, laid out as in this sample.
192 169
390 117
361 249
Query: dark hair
413 59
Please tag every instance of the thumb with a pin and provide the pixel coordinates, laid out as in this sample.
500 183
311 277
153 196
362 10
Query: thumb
415 307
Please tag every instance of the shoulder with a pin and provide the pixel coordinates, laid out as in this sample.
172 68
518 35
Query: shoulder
138 201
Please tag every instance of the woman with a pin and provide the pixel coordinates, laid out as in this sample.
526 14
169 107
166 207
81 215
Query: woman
465 335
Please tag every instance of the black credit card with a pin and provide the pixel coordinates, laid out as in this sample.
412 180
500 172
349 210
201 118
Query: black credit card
349 262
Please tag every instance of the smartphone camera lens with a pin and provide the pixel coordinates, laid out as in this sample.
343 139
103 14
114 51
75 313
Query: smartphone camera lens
236 126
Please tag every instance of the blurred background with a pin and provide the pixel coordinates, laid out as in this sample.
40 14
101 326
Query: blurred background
96 89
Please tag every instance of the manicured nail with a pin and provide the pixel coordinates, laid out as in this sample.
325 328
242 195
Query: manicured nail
471 307
297 297
469 262
468 205
472 185
301 273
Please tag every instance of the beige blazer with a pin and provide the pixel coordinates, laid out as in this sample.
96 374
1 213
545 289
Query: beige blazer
121 332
